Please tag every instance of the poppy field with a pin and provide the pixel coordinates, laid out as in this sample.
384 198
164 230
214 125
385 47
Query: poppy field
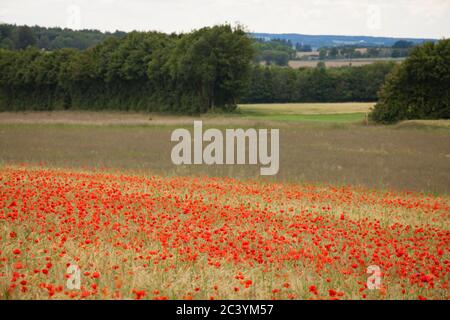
155 237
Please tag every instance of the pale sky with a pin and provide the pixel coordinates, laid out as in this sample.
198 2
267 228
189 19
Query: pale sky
396 18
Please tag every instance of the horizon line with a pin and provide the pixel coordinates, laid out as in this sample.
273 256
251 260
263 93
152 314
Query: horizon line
249 32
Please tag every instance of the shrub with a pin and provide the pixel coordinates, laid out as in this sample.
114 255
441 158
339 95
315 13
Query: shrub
419 88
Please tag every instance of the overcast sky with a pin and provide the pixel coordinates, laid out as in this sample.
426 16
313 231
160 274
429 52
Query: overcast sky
399 18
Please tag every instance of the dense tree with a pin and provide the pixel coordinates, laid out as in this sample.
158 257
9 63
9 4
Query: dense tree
403 44
303 47
352 51
333 53
25 38
19 37
187 73
275 51
6 37
419 88
270 84
279 58
323 54
373 52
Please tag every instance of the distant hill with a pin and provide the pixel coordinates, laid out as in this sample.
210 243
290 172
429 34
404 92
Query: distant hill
319 41
19 37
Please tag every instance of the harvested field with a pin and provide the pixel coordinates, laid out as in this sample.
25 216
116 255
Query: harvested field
337 63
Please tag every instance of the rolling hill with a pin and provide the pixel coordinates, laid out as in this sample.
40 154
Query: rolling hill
318 41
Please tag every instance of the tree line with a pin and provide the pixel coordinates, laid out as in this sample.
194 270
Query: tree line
13 37
149 71
214 67
399 49
273 84
274 51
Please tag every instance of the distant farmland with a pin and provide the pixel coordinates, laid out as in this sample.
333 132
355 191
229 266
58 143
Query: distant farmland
338 62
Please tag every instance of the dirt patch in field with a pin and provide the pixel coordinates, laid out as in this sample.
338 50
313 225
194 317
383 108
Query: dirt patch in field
122 118
445 124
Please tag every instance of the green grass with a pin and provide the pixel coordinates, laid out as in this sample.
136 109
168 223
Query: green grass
307 112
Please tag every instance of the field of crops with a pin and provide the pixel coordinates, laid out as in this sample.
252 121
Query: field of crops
96 192
158 151
152 237
339 62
